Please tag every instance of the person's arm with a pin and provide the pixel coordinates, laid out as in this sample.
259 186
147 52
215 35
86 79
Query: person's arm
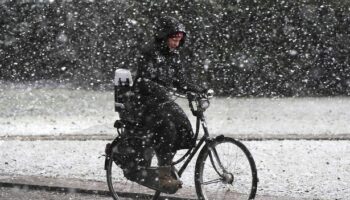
147 72
184 85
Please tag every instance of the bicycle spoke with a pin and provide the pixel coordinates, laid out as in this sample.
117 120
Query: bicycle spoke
213 164
235 166
212 181
218 159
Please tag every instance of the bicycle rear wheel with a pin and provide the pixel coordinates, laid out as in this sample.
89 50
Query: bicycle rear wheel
224 170
121 188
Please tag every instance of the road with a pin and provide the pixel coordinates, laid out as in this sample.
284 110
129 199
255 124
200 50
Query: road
299 169
25 194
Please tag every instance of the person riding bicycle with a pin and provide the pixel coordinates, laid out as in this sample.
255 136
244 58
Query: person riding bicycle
165 126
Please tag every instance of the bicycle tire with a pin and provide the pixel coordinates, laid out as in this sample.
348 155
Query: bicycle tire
230 152
120 187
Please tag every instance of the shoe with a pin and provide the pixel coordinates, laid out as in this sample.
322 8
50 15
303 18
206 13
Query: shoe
167 182
158 178
131 175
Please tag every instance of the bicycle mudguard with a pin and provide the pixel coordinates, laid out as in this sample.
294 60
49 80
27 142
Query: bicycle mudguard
108 154
106 162
220 137
211 139
209 142
217 138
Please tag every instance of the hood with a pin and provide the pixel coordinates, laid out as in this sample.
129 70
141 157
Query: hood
167 26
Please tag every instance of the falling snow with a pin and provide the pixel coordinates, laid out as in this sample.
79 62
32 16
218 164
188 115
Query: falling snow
58 59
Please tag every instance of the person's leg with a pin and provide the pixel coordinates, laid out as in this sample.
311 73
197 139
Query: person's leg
158 178
138 157
164 139
165 156
183 128
173 131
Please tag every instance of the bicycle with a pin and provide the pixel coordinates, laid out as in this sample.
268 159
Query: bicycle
224 169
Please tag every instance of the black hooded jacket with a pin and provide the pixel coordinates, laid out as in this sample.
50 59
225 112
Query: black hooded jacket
159 119
160 69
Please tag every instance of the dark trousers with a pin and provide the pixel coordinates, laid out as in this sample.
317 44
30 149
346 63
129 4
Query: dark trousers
166 129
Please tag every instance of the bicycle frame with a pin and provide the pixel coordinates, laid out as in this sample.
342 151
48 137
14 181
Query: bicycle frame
204 139
192 152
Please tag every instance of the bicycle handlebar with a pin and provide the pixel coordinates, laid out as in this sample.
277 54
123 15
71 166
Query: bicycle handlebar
200 99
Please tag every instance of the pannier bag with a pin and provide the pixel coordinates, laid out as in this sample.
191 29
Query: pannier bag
129 151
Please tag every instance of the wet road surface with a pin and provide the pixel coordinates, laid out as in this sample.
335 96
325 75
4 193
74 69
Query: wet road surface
24 194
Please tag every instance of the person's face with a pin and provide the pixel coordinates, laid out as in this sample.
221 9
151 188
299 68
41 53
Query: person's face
174 41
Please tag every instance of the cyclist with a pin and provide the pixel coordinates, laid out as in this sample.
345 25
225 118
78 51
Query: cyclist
165 126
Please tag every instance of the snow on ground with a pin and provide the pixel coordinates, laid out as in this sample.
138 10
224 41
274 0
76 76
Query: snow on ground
301 169
35 111
59 110
311 169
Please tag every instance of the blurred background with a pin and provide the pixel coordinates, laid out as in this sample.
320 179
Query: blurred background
239 48
57 62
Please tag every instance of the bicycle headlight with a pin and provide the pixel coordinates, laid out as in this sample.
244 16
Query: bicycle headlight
204 104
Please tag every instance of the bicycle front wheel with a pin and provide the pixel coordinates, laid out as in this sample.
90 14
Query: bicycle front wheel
225 169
